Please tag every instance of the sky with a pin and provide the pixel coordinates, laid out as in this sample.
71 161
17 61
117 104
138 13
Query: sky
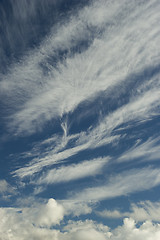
79 120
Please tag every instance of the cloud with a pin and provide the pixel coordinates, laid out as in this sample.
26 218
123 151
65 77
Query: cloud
4 186
148 151
146 210
104 48
39 215
123 184
59 154
129 231
25 19
6 190
85 230
36 97
141 211
12 227
73 171
141 108
50 214
112 214
75 208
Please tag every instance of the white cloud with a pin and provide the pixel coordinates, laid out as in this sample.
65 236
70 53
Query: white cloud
129 231
85 230
56 156
50 214
13 220
141 108
75 208
142 211
12 227
149 150
122 184
74 171
112 214
146 211
4 186
112 56
6 189
125 41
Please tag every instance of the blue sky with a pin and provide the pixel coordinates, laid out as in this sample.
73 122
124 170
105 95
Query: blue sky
79 122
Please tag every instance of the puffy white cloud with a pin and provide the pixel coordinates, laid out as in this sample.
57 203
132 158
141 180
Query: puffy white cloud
50 214
88 229
32 222
17 228
129 231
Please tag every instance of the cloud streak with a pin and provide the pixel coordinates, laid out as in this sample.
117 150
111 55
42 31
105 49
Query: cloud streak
74 171
122 184
147 151
141 211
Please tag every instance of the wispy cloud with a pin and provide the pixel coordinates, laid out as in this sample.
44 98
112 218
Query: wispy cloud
142 107
73 171
122 184
147 151
58 155
141 211
6 190
107 61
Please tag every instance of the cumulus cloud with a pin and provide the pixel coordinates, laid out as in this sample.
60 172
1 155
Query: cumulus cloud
14 226
129 231
50 214
85 230
11 227
33 222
